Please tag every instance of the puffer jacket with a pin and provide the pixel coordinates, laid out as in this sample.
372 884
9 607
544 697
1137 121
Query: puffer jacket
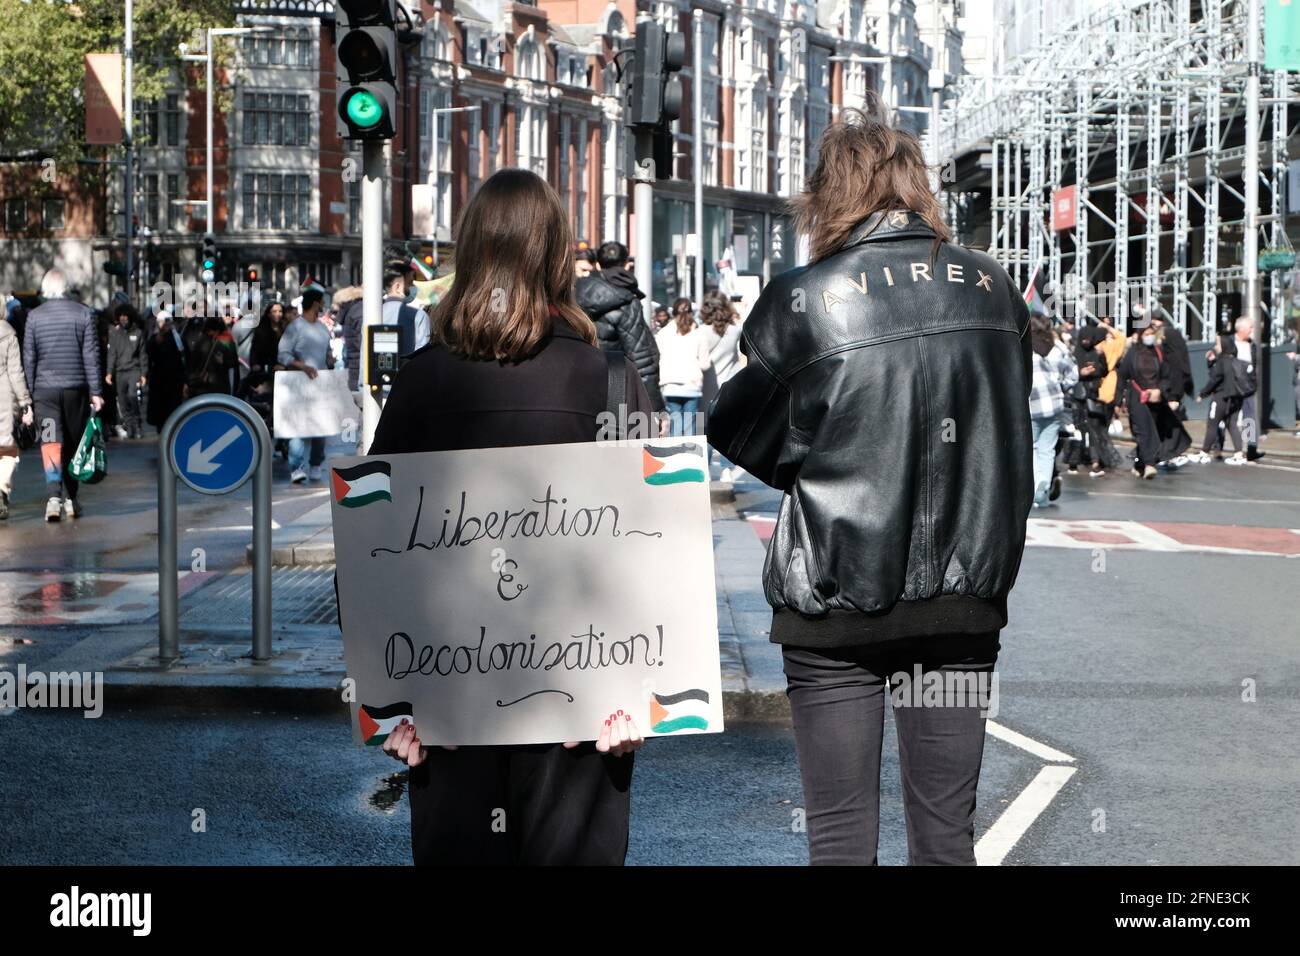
61 347
886 395
348 299
13 387
616 310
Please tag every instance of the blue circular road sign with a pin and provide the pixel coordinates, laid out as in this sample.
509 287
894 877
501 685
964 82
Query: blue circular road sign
213 450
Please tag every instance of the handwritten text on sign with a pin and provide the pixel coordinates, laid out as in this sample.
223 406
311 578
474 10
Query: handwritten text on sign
521 595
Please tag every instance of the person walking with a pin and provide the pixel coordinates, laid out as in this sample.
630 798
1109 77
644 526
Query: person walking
612 300
1054 375
721 327
14 398
683 359
305 347
351 307
1145 379
127 369
885 395
1231 382
211 361
1090 360
61 362
527 376
165 356
411 320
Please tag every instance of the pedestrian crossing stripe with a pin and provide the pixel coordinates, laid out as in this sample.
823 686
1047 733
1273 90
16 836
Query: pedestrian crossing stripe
688 710
363 484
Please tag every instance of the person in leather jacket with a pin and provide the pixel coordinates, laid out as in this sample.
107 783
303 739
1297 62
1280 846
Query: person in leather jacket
886 394
611 299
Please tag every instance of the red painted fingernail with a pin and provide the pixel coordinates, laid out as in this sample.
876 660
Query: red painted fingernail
620 713
607 723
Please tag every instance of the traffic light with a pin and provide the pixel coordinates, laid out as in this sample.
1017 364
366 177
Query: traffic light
366 51
208 260
655 95
250 275
656 92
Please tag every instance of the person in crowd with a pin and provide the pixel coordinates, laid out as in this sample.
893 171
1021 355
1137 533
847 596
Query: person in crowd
683 359
165 358
661 317
721 328
1181 385
1094 418
1145 379
305 347
15 403
1294 359
887 401
62 363
211 361
611 299
243 332
1054 375
1240 345
349 302
531 375
412 320
1231 381
127 369
264 344
584 259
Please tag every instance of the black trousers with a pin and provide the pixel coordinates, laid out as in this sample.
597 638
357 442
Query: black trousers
128 400
61 416
543 805
837 700
1223 414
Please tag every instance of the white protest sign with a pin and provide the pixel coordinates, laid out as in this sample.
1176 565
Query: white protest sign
313 407
522 595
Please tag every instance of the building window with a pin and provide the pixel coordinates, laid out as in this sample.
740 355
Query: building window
277 201
354 206
15 215
580 170
277 119
158 122
530 136
528 61
52 214
292 48
174 215
474 159
566 137
443 173
424 116
493 137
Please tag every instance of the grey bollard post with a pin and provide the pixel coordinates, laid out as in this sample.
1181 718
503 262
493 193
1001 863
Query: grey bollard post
168 471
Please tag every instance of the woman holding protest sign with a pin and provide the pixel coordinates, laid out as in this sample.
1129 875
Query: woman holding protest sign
513 361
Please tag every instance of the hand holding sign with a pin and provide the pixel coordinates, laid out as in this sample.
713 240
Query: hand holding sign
496 596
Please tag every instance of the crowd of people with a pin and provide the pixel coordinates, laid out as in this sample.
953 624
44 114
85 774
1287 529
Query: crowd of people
683 358
1088 380
62 361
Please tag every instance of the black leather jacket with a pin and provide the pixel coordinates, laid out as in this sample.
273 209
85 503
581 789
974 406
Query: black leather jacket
887 394
616 310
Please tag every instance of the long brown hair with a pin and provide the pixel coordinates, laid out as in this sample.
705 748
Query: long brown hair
717 311
514 256
864 166
684 315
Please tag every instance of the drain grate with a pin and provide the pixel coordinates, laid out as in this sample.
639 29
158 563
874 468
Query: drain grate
299 595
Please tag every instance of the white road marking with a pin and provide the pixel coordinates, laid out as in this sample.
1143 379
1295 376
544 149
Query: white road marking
1039 750
1017 818
275 525
1216 501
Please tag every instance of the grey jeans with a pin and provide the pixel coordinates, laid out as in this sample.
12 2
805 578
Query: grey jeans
837 701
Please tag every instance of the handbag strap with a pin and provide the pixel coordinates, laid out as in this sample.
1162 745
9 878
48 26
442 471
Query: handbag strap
616 389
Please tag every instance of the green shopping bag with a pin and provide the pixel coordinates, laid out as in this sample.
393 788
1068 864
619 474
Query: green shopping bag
90 463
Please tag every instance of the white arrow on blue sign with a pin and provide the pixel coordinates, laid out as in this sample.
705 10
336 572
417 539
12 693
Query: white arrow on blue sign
213 451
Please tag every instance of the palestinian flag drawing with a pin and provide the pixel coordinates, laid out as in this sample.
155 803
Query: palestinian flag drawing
363 484
378 722
673 464
670 713
1036 294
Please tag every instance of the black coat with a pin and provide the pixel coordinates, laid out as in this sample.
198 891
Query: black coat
442 401
887 394
1180 364
166 377
615 307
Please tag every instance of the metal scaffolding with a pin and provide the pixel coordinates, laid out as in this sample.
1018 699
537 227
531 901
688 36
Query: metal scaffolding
1140 105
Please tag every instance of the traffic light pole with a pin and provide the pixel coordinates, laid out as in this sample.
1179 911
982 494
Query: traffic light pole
128 130
697 149
643 197
372 275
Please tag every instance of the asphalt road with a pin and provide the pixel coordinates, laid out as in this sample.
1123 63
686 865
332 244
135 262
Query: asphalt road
1138 671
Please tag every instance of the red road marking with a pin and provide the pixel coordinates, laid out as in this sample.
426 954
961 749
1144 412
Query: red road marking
1275 540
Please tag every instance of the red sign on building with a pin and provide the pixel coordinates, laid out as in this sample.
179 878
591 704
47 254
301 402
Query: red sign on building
1065 208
